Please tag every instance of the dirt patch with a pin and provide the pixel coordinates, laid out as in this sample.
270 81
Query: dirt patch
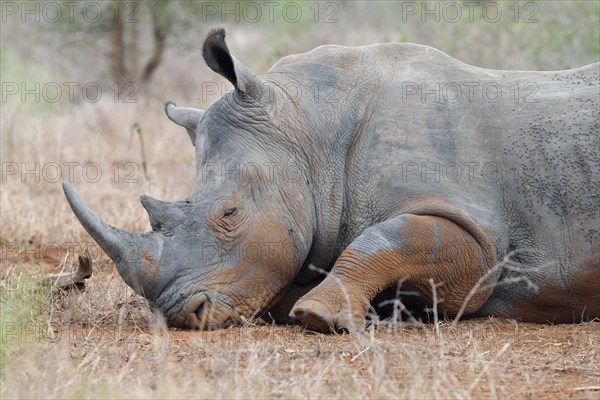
476 359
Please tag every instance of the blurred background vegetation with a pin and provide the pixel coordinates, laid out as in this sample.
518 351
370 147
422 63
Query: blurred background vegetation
157 44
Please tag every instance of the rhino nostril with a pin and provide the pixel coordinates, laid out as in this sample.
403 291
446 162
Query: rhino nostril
200 311
191 322
195 315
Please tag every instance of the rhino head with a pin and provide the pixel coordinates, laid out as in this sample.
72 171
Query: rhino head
233 246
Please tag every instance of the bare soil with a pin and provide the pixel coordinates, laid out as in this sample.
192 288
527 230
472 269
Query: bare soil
104 342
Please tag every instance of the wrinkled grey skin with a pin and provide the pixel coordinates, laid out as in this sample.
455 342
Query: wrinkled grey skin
359 148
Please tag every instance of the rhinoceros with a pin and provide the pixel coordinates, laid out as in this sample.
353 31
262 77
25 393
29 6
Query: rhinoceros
344 171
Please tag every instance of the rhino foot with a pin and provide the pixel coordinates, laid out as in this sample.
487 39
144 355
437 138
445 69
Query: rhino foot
318 316
314 316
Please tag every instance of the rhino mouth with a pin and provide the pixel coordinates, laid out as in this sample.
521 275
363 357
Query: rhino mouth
202 311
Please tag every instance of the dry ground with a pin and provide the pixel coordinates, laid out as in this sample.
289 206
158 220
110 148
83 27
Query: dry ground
104 342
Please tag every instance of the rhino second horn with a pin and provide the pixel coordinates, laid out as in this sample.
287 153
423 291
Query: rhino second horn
135 255
186 117
161 214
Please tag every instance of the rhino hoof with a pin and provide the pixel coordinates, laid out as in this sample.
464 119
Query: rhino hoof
314 316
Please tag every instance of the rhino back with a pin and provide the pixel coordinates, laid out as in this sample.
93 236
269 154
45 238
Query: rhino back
515 150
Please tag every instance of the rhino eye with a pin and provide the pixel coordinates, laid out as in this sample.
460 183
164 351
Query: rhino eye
230 211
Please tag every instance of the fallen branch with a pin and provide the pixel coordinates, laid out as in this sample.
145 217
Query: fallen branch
592 388
75 279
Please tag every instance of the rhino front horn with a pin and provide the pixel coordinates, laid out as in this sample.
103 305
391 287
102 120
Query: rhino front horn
135 255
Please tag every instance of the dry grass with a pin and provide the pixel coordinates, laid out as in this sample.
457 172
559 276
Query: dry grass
105 343
107 171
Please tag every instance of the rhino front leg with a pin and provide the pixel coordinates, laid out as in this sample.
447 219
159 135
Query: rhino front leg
413 248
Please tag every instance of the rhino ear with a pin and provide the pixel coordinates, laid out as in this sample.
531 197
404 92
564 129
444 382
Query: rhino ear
184 116
217 57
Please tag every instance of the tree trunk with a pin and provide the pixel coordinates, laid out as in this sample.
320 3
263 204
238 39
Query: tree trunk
159 33
117 54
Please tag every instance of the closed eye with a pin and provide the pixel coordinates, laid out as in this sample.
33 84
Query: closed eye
230 211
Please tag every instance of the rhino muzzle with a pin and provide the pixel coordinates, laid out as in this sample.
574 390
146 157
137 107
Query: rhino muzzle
200 313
